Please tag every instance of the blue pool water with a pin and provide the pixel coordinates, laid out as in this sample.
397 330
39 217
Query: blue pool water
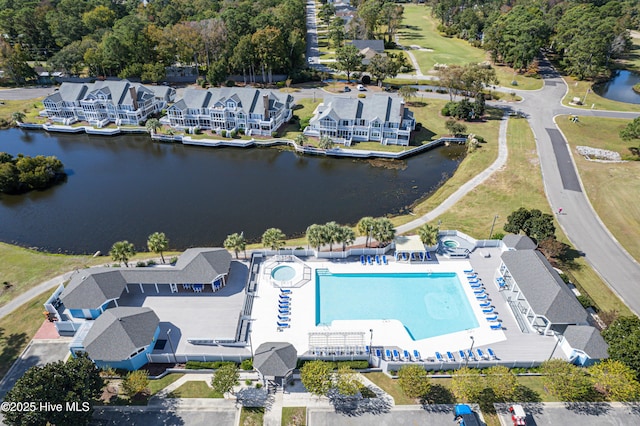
283 273
428 305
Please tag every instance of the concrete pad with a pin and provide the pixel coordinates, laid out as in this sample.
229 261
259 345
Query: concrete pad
144 416
37 353
399 415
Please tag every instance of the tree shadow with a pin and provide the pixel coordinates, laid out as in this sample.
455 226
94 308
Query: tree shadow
254 397
438 394
12 346
165 415
588 408
525 394
493 114
356 405
422 136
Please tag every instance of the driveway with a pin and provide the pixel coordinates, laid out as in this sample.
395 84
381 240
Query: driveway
37 353
583 414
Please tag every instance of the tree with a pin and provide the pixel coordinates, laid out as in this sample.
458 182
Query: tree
365 228
273 238
316 377
315 235
565 381
235 242
336 32
408 92
136 382
502 382
623 337
301 139
225 378
325 142
326 12
347 382
158 243
152 125
383 230
382 67
331 233
552 248
414 381
428 234
450 76
516 220
533 223
615 381
18 117
466 384
122 251
217 72
479 105
345 235
348 59
631 130
369 12
76 381
391 16
454 127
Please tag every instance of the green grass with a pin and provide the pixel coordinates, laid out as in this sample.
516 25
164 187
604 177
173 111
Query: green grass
17 330
294 416
578 89
156 386
420 28
632 59
250 416
612 187
30 108
391 387
195 389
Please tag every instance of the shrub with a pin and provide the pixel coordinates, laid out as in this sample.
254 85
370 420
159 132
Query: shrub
362 95
248 382
207 365
448 108
140 264
173 260
241 131
258 385
247 364
223 133
274 134
280 84
197 130
585 301
151 263
353 364
304 122
233 134
229 83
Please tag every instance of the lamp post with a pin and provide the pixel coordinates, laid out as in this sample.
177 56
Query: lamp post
370 235
470 350
371 345
492 225
173 351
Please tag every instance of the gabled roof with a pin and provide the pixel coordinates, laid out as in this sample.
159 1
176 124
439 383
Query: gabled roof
90 289
249 100
73 91
587 339
543 288
275 359
120 332
518 242
376 45
384 107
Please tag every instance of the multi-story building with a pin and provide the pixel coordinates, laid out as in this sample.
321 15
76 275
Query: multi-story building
257 112
380 118
103 102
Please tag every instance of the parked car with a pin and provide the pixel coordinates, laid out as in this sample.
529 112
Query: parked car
347 89
465 416
518 416
361 88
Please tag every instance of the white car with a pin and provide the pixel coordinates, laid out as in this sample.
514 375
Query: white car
310 60
361 88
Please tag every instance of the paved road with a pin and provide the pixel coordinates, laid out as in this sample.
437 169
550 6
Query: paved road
564 189
23 93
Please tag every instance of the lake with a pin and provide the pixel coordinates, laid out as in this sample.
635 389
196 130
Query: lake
619 87
127 187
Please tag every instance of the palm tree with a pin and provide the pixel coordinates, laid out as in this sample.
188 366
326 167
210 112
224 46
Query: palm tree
332 231
316 235
346 236
152 126
18 117
273 238
157 243
122 251
325 142
365 226
301 139
235 242
428 234
383 230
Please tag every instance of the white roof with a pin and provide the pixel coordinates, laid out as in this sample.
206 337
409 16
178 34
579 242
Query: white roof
409 244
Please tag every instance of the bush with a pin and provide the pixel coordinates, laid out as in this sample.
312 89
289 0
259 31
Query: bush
241 131
585 301
233 134
140 264
304 122
258 385
248 382
448 108
207 365
151 263
274 134
362 95
173 260
223 133
280 84
353 364
247 364
230 83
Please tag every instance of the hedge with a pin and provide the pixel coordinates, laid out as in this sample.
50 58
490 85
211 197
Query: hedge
355 364
207 365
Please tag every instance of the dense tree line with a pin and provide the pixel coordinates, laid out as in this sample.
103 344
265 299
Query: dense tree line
130 39
25 173
586 34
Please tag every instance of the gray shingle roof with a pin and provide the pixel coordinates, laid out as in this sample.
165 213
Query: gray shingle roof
249 99
275 358
518 242
377 45
72 91
117 89
588 339
89 289
120 332
380 106
543 288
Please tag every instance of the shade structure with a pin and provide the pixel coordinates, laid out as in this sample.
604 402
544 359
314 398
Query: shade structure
275 359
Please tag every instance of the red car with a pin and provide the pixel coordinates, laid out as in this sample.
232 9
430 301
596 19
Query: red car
518 416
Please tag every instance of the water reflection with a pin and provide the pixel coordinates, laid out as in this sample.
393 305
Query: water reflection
619 87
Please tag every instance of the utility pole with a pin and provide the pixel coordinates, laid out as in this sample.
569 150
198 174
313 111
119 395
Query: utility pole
492 225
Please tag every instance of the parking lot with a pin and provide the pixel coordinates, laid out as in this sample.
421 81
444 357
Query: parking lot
583 414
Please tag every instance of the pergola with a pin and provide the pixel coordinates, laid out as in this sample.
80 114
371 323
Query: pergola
409 244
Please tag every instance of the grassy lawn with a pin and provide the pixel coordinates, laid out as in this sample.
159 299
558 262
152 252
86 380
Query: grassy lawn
17 330
195 389
578 89
294 416
420 28
632 59
391 387
156 386
250 416
612 187
30 107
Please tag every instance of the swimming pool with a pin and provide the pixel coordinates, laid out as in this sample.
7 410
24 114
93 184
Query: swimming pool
428 305
283 273
451 243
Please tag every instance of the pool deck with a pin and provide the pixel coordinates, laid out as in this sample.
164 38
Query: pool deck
510 344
